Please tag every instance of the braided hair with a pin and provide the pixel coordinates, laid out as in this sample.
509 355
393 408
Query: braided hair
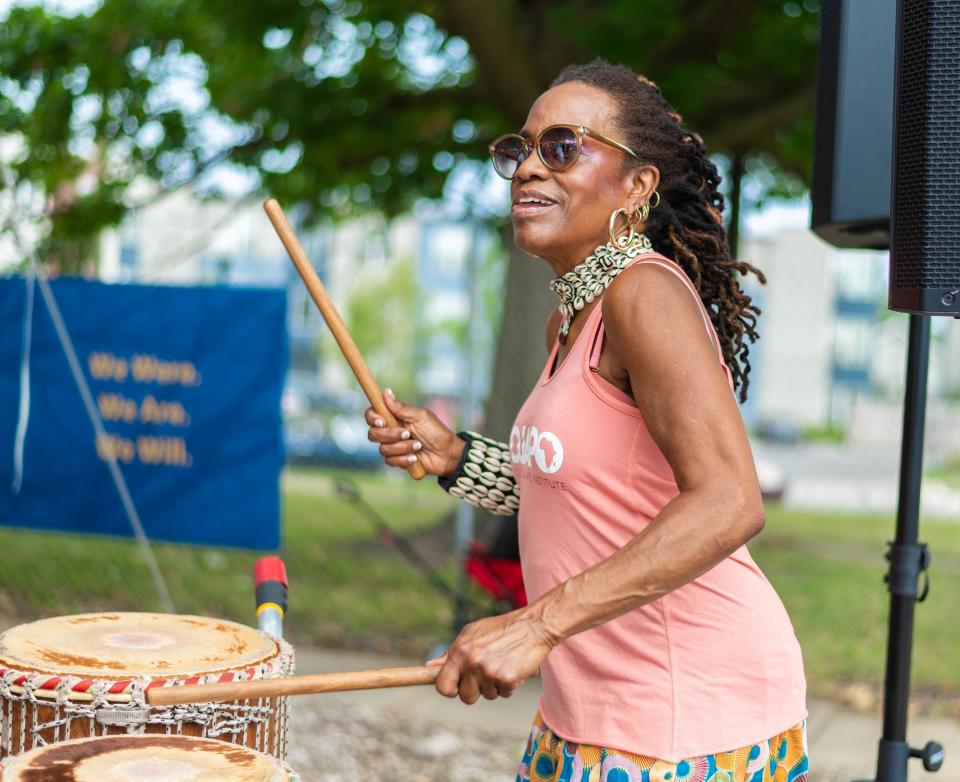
686 226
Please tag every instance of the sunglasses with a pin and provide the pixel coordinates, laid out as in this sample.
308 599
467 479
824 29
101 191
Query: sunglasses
558 146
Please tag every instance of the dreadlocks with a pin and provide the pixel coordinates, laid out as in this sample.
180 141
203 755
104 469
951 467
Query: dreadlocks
686 226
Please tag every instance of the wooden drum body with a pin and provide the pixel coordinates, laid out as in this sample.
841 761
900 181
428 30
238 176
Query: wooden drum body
85 675
149 757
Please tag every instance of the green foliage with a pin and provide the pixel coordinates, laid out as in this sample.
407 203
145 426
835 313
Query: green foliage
740 73
379 312
346 107
829 433
948 472
456 328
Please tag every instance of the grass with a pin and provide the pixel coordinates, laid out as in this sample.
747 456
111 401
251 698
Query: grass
349 589
346 586
828 570
829 433
948 472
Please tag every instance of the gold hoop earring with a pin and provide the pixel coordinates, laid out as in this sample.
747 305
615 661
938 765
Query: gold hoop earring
654 206
641 213
615 240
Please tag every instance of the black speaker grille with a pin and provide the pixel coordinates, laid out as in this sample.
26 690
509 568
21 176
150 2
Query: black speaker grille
926 239
825 111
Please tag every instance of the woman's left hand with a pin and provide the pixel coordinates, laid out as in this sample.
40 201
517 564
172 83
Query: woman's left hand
493 656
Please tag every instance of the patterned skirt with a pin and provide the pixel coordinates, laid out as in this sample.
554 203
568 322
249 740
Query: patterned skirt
549 758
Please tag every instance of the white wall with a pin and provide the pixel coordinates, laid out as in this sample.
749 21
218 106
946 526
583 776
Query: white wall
794 350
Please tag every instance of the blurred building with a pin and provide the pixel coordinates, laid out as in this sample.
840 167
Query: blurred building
830 353
185 241
829 348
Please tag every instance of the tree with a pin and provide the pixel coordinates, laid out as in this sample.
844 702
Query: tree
344 107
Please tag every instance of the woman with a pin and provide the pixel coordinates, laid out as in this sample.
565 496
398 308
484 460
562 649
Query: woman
664 652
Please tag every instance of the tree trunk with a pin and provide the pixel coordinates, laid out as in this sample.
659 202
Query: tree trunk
521 354
521 346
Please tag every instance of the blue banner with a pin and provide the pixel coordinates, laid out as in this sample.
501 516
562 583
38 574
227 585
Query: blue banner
188 383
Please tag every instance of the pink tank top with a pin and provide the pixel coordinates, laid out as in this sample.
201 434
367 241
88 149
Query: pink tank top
710 667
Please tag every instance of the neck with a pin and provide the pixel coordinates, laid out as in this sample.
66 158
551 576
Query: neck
586 280
569 260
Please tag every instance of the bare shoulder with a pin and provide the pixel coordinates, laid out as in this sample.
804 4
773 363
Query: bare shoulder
647 302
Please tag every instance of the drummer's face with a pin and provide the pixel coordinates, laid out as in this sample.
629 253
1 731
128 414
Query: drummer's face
586 193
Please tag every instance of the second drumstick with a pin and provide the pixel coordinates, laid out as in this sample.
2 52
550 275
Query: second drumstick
293 685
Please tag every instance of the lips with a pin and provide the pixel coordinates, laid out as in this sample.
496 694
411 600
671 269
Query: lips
523 206
530 209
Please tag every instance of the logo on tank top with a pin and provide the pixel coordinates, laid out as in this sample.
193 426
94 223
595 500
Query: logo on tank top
528 444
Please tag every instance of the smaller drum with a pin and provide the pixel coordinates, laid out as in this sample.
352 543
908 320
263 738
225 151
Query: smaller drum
145 758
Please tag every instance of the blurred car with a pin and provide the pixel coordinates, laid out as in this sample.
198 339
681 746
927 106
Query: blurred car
341 441
772 479
777 431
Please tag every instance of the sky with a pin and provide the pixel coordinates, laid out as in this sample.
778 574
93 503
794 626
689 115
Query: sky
64 6
777 217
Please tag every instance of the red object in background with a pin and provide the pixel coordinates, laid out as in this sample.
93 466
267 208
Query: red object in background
269 569
502 578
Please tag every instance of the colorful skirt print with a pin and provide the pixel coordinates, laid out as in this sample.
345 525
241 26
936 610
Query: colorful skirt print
549 758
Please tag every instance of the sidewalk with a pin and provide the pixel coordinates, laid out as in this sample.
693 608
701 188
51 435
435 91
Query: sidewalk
429 738
826 476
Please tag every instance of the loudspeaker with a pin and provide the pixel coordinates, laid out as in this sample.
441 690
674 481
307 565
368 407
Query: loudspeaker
925 252
853 123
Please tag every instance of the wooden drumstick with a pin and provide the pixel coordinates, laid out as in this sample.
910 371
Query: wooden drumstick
347 346
293 685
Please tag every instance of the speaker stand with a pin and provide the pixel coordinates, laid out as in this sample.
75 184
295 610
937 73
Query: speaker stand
908 560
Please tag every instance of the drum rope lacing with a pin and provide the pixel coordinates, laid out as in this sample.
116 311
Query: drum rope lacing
216 719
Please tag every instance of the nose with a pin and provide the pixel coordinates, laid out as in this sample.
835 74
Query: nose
531 165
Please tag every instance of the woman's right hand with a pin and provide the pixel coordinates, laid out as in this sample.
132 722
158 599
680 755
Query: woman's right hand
422 437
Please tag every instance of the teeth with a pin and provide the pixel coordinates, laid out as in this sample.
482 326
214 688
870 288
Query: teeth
533 201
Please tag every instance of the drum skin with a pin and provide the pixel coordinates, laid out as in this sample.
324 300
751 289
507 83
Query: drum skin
85 675
146 757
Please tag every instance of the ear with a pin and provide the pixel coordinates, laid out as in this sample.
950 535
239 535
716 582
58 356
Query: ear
640 183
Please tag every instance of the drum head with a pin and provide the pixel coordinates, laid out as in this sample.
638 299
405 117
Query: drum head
133 645
146 758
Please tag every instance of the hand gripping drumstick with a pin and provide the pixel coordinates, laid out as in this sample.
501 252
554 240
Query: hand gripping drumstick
292 685
347 346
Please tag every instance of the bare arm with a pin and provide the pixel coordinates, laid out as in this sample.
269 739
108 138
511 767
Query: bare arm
655 331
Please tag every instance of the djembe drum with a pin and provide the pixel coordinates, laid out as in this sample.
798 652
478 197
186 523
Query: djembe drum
146 758
85 675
